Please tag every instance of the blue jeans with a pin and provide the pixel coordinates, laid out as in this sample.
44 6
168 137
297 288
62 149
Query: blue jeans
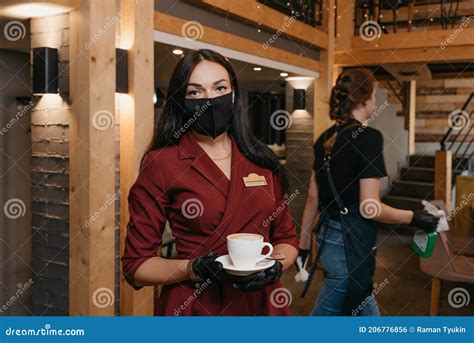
336 277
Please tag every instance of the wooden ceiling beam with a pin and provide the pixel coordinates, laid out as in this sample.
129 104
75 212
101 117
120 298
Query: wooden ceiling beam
251 11
423 55
170 24
441 39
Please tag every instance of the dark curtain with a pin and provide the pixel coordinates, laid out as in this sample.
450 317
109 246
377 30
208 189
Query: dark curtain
261 106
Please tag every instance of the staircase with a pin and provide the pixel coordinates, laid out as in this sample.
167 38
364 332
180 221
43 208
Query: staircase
416 182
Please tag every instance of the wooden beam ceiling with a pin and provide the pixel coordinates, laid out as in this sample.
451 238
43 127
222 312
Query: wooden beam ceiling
409 71
251 11
407 40
170 24
423 55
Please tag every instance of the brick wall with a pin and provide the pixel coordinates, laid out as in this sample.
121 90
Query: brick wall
50 177
299 152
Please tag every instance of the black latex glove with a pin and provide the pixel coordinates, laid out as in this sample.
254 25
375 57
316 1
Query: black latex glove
424 221
206 267
255 281
303 255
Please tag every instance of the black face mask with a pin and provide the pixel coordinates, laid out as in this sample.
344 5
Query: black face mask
209 116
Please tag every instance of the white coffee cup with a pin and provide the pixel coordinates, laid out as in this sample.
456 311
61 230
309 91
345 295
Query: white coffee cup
245 249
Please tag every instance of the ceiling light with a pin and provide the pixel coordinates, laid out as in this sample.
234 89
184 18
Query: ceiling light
32 10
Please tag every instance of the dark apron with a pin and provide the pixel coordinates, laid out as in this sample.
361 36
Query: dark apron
359 236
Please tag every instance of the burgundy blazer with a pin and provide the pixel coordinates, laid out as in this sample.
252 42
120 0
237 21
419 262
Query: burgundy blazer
183 185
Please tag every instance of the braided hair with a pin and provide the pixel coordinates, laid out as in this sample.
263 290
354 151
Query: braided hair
352 89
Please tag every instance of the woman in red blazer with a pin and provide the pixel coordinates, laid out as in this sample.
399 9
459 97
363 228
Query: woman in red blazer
193 176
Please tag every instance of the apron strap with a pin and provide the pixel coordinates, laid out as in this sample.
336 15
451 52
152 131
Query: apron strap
328 146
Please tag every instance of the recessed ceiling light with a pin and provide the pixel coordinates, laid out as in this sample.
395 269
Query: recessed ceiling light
31 10
257 69
178 52
284 74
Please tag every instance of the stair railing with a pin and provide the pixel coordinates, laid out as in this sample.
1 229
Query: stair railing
459 130
460 122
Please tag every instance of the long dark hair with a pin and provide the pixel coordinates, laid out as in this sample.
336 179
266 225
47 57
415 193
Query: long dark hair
172 119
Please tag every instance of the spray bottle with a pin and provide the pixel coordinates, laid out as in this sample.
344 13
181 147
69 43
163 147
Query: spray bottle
423 243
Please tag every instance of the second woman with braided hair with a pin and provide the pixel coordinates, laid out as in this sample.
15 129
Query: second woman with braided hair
344 190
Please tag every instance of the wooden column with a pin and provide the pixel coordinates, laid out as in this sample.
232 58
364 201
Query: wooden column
92 95
411 12
136 126
345 25
435 293
323 85
443 175
411 117
465 205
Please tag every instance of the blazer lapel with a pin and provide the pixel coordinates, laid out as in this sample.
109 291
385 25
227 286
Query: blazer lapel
239 168
198 159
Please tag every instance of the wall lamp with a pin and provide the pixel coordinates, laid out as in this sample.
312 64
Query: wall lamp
121 71
299 99
45 71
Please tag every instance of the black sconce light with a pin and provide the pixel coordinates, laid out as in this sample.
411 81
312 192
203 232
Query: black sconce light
121 71
299 99
45 70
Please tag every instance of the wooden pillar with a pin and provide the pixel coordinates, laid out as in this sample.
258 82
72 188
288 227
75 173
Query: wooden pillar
394 19
324 84
411 12
91 182
411 117
136 127
435 293
465 205
443 176
376 10
345 25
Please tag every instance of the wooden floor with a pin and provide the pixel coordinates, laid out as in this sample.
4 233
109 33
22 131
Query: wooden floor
406 294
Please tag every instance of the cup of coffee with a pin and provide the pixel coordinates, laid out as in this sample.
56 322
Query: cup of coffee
245 249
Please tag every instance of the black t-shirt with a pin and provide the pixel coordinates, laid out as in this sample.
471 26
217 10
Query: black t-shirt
356 154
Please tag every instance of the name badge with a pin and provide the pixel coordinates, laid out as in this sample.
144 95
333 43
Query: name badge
254 180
